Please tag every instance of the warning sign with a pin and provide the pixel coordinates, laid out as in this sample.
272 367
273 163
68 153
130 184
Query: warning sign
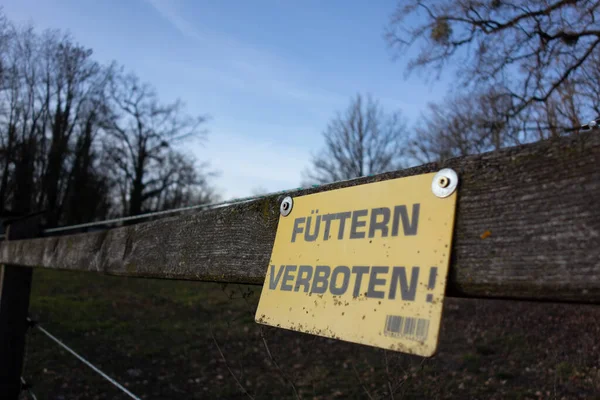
365 264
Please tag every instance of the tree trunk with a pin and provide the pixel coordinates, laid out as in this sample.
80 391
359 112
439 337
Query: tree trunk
137 188
54 172
24 173
7 159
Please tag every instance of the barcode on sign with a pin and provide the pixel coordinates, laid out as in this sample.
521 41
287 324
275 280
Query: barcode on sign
406 327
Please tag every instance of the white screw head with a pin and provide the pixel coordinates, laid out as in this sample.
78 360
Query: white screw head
286 206
444 183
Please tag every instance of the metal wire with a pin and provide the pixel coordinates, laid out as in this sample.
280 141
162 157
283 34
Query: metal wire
166 212
176 210
594 124
24 383
86 362
190 208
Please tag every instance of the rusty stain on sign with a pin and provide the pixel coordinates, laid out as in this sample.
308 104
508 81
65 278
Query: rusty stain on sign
365 264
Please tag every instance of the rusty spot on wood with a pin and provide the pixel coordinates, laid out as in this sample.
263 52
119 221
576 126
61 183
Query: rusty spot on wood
485 234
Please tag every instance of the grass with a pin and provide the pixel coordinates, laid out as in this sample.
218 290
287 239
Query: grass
471 362
564 370
164 339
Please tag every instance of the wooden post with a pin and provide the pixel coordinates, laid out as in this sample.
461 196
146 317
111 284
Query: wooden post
15 286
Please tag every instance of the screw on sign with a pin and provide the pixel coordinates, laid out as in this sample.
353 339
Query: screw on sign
443 182
286 206
594 124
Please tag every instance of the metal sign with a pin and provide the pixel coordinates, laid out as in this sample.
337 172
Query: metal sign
365 264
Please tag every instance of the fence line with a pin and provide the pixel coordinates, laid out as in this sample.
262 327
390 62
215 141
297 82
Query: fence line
27 387
592 125
208 206
86 362
150 215
527 227
167 212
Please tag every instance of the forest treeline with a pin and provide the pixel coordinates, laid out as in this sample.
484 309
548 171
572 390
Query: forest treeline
83 141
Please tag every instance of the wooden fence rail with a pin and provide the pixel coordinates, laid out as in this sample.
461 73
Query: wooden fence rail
527 227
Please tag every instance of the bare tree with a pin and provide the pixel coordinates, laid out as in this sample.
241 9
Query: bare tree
50 89
26 119
364 140
464 124
183 183
72 132
531 48
74 86
9 88
87 192
589 84
143 132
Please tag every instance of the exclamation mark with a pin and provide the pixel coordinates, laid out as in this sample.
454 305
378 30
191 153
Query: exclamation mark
431 284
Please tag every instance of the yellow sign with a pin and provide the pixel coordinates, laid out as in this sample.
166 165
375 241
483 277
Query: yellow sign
365 264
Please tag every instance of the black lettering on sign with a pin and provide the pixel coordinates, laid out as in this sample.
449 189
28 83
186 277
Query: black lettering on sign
311 237
343 216
381 281
287 276
409 226
321 279
407 291
339 290
375 281
363 223
327 218
274 280
354 234
382 225
359 272
302 280
297 227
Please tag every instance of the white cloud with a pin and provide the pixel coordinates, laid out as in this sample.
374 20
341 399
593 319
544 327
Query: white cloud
167 11
245 67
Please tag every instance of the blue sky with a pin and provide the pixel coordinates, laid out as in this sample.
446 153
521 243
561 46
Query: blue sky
271 73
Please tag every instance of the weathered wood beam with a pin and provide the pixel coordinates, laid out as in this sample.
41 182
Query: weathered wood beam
540 204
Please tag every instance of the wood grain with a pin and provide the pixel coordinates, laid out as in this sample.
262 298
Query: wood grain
528 227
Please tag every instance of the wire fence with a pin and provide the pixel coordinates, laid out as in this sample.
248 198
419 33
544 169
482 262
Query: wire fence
208 206
595 124
113 221
25 386
164 212
80 358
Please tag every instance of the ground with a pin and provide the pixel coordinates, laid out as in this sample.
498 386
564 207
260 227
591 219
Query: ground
191 340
